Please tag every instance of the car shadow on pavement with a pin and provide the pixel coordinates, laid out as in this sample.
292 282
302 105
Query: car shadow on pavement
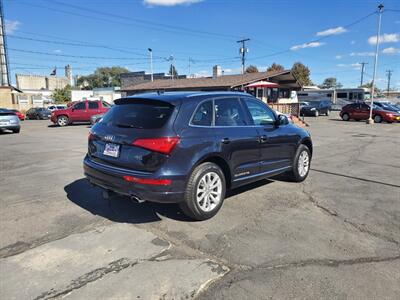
121 209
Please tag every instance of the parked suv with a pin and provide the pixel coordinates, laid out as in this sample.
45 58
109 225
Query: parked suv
361 111
80 111
38 113
189 148
315 108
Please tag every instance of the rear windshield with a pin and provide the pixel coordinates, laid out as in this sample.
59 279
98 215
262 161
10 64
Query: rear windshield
141 114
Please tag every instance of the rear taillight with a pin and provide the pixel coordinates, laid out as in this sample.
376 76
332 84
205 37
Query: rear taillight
163 145
148 180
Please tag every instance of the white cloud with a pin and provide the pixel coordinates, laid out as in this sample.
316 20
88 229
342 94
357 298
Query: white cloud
355 66
339 56
362 54
332 31
307 45
391 50
202 73
169 2
12 26
352 42
57 51
385 38
232 71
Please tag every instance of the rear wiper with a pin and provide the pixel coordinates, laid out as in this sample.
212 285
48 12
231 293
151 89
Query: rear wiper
128 126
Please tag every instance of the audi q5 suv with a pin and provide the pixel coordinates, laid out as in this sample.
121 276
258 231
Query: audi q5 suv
191 147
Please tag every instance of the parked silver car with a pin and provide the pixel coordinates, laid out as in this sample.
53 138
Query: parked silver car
96 118
9 121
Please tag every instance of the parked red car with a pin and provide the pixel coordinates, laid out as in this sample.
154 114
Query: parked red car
19 114
80 111
361 111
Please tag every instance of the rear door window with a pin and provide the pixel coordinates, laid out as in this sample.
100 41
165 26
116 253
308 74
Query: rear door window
80 106
203 115
229 112
140 114
93 105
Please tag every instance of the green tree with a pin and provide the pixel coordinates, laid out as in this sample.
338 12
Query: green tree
368 85
172 71
102 77
251 69
275 68
330 82
62 95
302 73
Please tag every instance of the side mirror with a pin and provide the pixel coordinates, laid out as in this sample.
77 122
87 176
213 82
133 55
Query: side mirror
282 120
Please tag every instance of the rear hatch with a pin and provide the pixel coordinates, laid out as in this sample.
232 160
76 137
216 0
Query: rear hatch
8 118
136 134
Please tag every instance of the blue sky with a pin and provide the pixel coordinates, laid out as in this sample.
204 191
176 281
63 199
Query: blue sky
93 33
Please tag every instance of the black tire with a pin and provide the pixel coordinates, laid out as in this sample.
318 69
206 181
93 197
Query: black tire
346 117
378 119
294 175
190 205
37 117
316 113
16 130
62 121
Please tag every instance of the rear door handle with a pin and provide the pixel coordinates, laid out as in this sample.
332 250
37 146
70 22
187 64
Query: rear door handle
225 141
263 139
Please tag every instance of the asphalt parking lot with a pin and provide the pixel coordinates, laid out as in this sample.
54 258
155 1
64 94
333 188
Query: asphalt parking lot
334 236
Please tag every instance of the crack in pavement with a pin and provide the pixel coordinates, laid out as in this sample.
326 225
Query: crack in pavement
115 267
329 262
353 224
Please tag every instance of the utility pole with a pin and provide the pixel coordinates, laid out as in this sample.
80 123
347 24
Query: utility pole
389 75
243 50
172 67
151 63
190 60
380 11
362 72
4 76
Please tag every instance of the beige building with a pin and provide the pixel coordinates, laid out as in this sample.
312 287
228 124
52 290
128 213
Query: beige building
38 82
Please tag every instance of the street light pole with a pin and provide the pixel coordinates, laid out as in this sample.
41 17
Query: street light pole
380 10
151 63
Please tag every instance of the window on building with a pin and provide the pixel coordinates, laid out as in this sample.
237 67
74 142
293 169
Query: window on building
228 112
203 115
260 93
342 95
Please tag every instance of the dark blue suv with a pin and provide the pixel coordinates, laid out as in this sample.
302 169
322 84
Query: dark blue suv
189 148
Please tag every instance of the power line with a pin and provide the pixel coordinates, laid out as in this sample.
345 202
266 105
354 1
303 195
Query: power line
316 40
75 56
133 21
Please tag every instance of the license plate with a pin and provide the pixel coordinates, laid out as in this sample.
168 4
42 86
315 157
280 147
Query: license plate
111 150
5 123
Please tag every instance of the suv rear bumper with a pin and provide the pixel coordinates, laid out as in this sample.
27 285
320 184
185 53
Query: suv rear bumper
110 179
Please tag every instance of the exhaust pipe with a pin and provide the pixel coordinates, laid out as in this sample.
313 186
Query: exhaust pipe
136 199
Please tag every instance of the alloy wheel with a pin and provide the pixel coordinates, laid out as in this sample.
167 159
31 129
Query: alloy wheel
209 191
303 163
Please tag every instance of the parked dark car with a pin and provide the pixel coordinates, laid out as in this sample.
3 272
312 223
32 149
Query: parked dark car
9 121
189 148
315 108
79 112
38 113
361 111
